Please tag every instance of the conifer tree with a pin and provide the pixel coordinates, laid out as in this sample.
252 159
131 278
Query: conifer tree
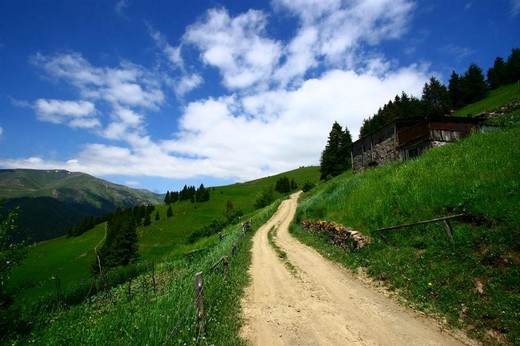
497 75
335 158
436 98
513 66
474 85
120 246
169 212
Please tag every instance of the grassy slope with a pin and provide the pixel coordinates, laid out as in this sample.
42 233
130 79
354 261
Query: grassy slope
70 258
496 98
161 316
479 176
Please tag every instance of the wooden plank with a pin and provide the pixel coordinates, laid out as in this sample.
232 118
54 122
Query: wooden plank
420 222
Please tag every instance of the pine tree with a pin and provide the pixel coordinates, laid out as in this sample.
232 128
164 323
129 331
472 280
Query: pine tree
436 99
167 198
335 158
455 91
497 75
121 243
513 66
169 212
474 85
157 217
147 221
202 194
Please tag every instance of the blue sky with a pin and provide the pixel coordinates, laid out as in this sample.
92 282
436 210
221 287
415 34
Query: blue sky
158 94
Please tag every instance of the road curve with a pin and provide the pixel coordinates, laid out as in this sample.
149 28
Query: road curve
323 304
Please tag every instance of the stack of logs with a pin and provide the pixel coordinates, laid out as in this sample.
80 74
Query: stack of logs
340 235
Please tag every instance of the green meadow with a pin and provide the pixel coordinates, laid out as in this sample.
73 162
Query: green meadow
70 258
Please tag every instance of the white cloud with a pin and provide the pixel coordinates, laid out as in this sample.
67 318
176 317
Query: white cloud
1 131
341 27
247 137
183 81
72 113
273 118
238 46
128 84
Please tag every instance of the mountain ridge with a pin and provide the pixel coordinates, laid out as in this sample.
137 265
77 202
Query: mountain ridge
50 194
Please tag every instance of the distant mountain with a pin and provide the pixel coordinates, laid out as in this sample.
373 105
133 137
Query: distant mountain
52 201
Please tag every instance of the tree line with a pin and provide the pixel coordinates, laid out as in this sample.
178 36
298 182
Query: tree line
436 100
188 193
439 100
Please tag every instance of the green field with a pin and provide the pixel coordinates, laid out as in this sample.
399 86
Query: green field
70 259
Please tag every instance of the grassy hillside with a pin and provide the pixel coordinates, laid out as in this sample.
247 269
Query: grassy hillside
70 258
473 281
496 99
157 307
52 201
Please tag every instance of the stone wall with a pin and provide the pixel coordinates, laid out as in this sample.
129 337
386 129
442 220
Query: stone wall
378 154
339 235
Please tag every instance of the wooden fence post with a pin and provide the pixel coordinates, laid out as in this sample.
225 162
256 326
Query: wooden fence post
58 288
199 301
129 288
225 264
447 225
153 278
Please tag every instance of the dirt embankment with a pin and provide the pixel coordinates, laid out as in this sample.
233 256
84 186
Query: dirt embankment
323 304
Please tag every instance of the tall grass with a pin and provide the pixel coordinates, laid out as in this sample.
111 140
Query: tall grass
135 313
479 177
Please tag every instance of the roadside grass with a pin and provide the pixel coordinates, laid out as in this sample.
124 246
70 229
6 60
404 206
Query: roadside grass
70 258
271 238
472 282
135 313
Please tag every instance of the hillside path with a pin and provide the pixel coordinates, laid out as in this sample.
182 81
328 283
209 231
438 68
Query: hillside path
323 304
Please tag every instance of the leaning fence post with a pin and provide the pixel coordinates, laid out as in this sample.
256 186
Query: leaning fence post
225 264
58 288
447 225
199 301
153 278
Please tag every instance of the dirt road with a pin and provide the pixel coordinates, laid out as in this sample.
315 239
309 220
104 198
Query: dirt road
322 304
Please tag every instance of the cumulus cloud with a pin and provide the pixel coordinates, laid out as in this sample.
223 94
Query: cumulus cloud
1 131
341 28
180 79
269 117
128 84
237 46
128 89
72 113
